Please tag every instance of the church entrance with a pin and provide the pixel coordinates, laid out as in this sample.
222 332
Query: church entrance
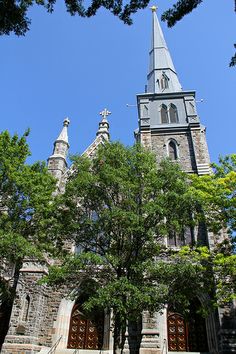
187 334
86 332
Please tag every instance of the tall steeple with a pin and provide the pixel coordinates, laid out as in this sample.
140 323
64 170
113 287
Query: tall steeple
162 76
57 161
168 120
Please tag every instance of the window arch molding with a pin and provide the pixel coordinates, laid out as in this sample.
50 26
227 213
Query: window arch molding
164 114
168 114
173 113
25 307
172 149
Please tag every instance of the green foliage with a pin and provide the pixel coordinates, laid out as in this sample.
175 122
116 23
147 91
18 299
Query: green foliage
182 8
118 209
14 13
25 203
14 18
233 59
225 175
179 10
225 273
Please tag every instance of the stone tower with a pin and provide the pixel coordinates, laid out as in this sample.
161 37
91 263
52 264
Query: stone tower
168 120
57 164
169 126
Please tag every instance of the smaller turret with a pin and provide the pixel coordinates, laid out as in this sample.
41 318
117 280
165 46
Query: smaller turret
102 135
103 128
57 161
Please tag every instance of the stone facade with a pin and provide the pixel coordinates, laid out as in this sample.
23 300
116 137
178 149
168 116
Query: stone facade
170 127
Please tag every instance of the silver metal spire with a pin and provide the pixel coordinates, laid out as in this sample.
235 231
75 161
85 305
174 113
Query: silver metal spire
162 76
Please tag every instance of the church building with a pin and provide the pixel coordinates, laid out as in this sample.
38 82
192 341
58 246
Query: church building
46 321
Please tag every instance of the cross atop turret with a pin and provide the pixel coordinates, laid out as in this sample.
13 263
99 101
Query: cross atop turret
105 113
104 125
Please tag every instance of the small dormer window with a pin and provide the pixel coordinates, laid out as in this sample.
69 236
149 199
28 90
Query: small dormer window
164 81
164 114
173 113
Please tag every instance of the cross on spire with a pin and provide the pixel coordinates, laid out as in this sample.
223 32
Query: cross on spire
105 113
154 8
103 128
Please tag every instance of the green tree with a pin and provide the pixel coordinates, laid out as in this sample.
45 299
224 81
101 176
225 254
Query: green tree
182 8
14 13
118 209
25 201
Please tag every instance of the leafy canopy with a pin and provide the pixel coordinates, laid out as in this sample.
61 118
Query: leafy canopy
119 209
14 13
182 8
25 202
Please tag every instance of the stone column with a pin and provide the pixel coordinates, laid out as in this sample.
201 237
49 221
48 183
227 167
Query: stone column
150 343
62 323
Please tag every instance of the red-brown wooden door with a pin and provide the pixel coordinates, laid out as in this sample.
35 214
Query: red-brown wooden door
177 333
85 333
187 336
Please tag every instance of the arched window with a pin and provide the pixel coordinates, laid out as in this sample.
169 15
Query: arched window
25 309
164 114
173 114
172 150
164 81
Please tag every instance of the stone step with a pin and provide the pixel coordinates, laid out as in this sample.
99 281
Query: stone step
82 351
188 353
72 351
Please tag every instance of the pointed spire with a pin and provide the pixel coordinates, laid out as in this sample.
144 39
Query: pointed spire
103 128
162 76
63 136
57 161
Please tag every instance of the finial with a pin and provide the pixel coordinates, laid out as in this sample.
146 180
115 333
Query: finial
104 114
154 8
66 122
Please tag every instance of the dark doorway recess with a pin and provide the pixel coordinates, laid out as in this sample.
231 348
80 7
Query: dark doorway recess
187 334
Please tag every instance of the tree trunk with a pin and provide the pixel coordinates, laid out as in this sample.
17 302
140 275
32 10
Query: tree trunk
119 334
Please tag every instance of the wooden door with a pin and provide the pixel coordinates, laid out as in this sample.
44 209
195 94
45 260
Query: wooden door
85 333
187 335
177 333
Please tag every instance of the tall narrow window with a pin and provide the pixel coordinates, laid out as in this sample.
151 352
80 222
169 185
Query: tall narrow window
172 150
164 81
25 310
164 114
173 113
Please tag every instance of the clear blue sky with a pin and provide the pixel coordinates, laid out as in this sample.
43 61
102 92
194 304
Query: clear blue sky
68 66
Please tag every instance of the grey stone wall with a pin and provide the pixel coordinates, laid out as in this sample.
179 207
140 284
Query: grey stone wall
183 140
32 320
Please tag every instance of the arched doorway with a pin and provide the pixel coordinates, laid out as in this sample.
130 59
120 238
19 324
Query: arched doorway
86 331
187 334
